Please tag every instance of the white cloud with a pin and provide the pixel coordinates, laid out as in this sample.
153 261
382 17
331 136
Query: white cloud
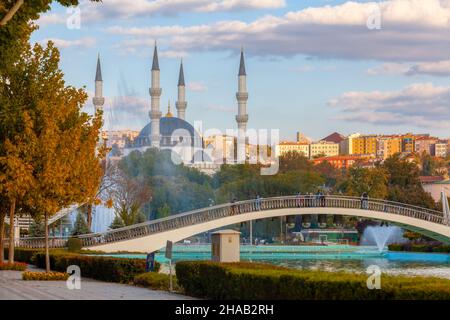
438 68
197 86
389 69
420 105
411 30
172 54
126 9
85 42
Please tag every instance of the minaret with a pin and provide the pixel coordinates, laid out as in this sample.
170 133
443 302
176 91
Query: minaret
98 99
242 116
155 93
181 104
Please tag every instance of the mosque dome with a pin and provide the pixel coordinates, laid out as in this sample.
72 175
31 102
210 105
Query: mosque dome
172 131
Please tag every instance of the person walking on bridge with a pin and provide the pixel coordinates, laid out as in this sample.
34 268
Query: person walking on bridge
233 207
365 201
300 202
258 202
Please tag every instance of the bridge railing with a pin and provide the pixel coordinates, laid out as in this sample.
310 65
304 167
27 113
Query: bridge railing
242 207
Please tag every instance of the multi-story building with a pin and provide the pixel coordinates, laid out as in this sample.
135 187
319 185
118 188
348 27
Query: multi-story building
387 146
441 149
425 144
221 148
120 138
323 148
365 145
346 145
286 146
408 142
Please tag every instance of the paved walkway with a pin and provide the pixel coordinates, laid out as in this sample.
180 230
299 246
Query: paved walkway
12 287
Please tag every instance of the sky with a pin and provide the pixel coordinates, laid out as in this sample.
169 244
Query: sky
314 66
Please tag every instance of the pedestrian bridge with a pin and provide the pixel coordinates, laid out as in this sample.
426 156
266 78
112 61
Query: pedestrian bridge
153 235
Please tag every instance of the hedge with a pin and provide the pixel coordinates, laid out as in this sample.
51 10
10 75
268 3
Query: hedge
45 276
23 254
16 266
420 247
108 269
258 282
156 281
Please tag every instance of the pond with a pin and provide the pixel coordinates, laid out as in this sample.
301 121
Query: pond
326 258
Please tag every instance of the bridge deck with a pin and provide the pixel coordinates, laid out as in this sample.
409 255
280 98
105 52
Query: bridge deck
231 209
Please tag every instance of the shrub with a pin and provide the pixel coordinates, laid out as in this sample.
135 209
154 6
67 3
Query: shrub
101 268
156 281
45 276
420 247
16 266
74 245
244 282
395 247
23 254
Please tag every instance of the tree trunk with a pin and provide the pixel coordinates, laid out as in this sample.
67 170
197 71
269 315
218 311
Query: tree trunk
47 255
12 210
2 236
89 216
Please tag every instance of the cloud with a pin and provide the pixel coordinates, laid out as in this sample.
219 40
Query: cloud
197 86
86 42
438 68
127 9
421 105
411 30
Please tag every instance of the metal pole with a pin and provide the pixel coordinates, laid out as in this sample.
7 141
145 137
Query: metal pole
281 229
170 276
251 232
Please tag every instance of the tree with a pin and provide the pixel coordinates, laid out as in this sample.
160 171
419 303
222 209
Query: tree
117 223
372 181
80 226
404 184
294 161
61 140
15 166
37 228
128 196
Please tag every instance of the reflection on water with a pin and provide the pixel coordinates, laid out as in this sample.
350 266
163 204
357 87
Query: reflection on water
326 258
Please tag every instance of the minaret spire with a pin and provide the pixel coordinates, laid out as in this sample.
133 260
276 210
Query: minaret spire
242 64
155 64
181 104
242 116
98 99
169 114
155 94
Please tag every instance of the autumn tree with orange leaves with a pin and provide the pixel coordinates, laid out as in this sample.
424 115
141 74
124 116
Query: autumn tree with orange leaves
60 157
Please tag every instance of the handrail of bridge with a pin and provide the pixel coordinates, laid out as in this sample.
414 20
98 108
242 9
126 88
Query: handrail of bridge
241 207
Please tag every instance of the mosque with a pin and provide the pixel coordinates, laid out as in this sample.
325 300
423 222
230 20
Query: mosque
174 132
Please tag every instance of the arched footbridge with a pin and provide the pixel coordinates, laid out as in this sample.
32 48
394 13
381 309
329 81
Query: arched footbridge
153 235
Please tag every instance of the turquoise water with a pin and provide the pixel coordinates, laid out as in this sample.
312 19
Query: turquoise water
328 258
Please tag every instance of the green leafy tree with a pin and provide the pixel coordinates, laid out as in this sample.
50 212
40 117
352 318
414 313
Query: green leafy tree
373 181
117 223
80 226
404 184
37 228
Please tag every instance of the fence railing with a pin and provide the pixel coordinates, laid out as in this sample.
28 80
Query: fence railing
230 209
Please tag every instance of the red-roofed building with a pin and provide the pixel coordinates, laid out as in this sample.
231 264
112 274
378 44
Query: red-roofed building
334 137
345 162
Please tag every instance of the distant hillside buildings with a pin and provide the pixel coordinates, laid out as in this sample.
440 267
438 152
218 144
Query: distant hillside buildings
342 151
